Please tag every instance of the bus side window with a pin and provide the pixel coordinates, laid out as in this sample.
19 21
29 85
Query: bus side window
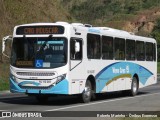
73 54
149 51
93 46
130 49
140 50
107 47
119 49
154 52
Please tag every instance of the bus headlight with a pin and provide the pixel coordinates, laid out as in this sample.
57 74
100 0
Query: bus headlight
60 78
13 77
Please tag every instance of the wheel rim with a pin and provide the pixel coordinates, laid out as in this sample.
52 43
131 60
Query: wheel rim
87 92
134 87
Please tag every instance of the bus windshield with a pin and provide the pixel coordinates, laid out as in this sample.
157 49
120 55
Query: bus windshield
39 52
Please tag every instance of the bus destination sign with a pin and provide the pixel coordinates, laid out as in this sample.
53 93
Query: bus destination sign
31 30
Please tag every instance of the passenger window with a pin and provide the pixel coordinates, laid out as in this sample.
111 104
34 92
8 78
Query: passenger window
154 51
140 54
119 48
130 49
93 46
149 51
75 55
107 47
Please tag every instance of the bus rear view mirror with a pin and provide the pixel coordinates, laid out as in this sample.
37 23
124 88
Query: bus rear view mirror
4 42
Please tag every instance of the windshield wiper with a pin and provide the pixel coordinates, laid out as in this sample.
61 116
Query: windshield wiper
44 44
41 50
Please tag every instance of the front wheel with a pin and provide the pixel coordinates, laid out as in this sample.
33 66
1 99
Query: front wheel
134 87
87 93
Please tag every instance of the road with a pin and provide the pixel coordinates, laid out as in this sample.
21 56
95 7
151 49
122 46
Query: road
148 99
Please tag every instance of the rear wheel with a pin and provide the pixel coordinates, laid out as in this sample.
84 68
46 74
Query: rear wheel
134 87
87 93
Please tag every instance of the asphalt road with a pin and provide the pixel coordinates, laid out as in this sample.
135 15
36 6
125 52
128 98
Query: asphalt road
148 99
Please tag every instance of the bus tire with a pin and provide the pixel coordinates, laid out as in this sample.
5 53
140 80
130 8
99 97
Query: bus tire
93 97
42 99
134 87
87 93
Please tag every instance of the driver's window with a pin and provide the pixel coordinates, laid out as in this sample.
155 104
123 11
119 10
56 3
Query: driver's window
75 55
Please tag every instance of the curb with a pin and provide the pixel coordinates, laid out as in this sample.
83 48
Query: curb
6 91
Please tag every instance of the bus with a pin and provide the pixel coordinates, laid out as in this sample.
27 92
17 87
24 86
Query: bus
63 58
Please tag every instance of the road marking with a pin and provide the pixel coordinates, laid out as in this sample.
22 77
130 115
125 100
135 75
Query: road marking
105 101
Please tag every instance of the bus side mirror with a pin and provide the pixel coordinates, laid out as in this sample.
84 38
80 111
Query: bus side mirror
77 47
4 41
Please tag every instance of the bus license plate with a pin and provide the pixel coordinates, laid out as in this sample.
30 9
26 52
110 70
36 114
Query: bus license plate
44 81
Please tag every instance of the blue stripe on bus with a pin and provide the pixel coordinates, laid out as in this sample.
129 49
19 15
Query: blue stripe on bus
120 68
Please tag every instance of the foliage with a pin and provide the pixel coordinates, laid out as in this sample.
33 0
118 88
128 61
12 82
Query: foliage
156 34
4 76
88 11
156 31
158 68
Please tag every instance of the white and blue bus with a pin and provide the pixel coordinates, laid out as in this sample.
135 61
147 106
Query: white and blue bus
78 59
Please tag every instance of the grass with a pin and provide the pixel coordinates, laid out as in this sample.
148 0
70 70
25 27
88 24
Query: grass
4 76
158 68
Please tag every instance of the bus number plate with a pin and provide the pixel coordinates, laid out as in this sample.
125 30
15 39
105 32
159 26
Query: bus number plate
44 81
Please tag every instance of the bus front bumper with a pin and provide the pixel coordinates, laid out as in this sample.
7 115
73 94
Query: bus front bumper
60 88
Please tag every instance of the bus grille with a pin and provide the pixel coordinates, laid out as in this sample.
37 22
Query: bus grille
35 74
36 87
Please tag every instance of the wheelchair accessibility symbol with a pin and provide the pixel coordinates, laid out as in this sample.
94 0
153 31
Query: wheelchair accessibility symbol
39 63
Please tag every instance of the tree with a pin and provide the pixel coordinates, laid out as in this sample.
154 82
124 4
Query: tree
156 35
